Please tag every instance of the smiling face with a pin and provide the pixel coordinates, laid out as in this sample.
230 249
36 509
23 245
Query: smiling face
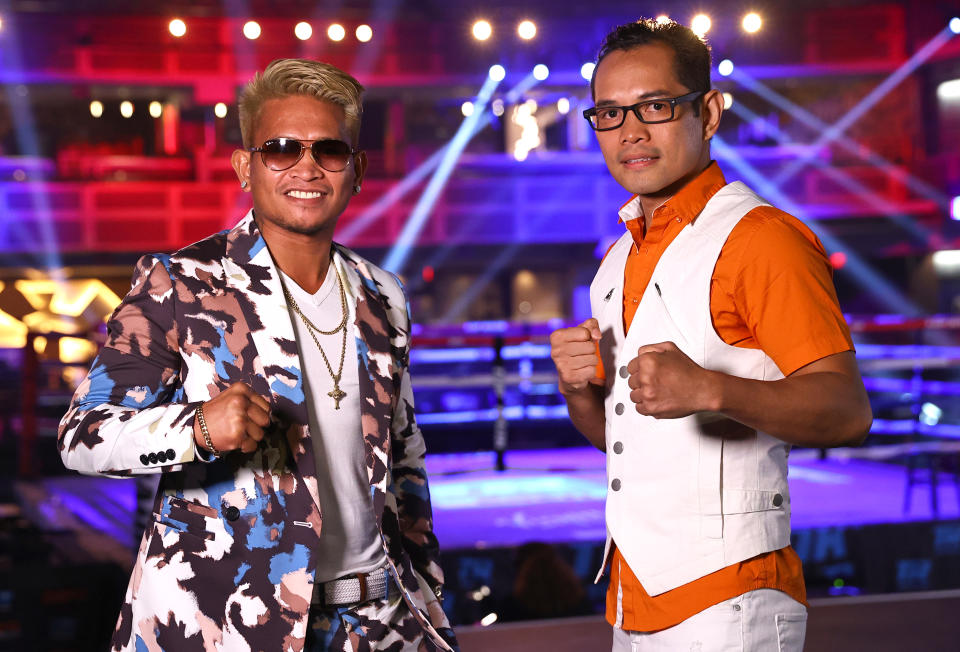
304 199
653 160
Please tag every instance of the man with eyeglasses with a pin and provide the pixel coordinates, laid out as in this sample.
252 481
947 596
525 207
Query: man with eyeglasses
716 343
263 373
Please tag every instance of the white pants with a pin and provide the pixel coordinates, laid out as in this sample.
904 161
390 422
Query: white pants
765 620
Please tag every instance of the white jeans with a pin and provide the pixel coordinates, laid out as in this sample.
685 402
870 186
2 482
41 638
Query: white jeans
765 620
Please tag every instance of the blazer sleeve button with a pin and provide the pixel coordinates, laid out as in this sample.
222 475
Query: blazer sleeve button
144 460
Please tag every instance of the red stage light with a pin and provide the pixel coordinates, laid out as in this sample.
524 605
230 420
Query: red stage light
838 259
427 274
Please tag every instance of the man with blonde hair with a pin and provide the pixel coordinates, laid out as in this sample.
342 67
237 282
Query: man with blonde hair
263 373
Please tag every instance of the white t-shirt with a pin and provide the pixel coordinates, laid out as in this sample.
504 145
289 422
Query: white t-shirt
349 541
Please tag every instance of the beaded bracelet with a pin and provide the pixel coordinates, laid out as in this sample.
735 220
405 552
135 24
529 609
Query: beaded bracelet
206 433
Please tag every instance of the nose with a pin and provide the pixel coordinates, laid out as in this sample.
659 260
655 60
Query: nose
307 167
632 130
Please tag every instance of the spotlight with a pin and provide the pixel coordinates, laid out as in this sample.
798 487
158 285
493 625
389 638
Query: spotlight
563 106
488 620
303 30
497 107
482 30
466 109
336 32
955 25
700 25
663 19
586 70
156 109
946 262
540 72
752 23
727 100
364 33
177 27
955 209
949 90
725 68
930 414
220 110
96 109
527 29
497 72
126 109
251 29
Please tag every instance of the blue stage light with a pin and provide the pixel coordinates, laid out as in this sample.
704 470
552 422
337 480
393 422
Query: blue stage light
497 72
540 72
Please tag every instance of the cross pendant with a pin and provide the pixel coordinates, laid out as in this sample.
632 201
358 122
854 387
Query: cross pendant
337 395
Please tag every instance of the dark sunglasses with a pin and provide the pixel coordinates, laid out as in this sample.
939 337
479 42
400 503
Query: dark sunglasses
283 153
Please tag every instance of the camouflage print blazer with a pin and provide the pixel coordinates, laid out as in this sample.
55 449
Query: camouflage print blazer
229 559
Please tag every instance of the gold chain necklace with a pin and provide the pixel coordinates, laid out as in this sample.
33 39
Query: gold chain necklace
336 394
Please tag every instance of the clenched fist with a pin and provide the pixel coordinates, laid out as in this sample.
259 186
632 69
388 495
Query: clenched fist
235 419
574 352
667 384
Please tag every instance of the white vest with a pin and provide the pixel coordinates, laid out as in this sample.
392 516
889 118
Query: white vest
685 497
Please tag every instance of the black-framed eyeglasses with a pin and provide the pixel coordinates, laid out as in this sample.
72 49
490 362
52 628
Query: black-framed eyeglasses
651 112
283 153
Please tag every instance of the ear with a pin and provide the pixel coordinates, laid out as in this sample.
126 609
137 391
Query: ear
710 113
359 167
240 160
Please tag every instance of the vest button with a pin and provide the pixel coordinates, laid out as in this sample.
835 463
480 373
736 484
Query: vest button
232 513
623 372
777 500
615 485
618 447
618 408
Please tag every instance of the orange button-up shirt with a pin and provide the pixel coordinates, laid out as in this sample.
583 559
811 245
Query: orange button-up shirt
771 289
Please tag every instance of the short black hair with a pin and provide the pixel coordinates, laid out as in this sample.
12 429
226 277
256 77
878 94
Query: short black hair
691 58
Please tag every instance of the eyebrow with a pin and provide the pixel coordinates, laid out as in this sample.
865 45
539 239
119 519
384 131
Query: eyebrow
659 93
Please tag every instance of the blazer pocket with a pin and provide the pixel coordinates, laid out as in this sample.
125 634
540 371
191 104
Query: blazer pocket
186 516
745 501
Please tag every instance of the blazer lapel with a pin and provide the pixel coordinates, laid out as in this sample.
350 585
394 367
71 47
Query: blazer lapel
250 271
376 366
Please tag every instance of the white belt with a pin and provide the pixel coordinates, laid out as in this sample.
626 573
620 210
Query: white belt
355 589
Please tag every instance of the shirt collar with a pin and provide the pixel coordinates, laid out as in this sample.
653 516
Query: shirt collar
687 203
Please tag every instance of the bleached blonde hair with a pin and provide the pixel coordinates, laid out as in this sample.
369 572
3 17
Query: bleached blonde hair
286 77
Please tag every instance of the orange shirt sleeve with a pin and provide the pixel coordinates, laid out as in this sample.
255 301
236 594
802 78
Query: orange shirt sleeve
772 289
